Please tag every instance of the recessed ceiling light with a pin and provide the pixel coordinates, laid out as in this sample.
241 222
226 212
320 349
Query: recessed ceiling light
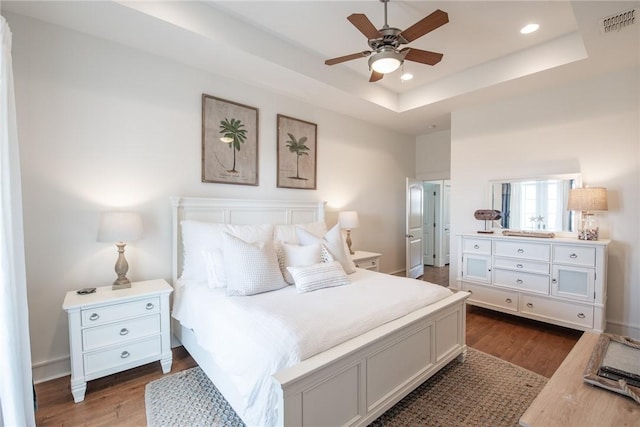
406 77
529 28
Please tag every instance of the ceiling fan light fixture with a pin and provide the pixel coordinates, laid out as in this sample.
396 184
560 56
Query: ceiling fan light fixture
386 61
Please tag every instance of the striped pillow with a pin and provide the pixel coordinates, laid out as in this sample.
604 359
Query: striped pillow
318 276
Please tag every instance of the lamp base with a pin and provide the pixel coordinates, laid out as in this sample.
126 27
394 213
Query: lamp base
121 283
589 229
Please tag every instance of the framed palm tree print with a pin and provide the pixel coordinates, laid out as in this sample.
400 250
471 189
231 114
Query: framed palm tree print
297 153
229 142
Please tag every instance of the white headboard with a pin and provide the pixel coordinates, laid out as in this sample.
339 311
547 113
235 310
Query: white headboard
236 211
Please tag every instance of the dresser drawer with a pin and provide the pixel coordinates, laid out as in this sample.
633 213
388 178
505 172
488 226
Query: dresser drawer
114 312
521 265
120 332
492 297
574 255
477 246
126 354
529 282
525 250
575 314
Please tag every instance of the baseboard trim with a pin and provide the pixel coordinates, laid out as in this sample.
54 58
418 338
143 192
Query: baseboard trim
619 328
51 369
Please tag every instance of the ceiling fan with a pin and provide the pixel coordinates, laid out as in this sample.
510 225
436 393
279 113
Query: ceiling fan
386 54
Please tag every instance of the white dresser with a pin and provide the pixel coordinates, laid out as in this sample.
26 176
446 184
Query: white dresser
559 280
110 331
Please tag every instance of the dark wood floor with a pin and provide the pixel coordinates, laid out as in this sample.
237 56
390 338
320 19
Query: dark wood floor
119 399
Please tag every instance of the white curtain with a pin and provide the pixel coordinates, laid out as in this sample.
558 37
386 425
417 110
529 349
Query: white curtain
16 393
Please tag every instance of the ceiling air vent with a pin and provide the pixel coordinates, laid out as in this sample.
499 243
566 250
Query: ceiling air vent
618 21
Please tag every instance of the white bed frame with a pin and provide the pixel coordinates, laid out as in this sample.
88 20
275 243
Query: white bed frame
352 383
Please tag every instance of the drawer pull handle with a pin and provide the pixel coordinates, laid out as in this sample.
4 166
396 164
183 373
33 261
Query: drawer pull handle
373 263
125 354
124 331
554 281
581 315
94 316
574 256
520 251
476 247
519 281
530 305
509 300
519 265
149 306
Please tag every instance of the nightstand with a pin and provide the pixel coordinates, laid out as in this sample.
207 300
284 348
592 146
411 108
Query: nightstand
368 260
111 331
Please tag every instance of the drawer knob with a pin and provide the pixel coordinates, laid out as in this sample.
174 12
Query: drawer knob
124 331
554 280
530 305
125 354
476 247
509 300
581 315
519 265
373 263
520 251
574 256
519 281
357 265
149 306
94 316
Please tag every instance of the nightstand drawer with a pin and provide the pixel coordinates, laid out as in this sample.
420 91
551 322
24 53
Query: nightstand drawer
120 332
371 263
125 354
111 313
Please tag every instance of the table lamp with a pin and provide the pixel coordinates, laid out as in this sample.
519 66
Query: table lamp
119 228
348 220
587 200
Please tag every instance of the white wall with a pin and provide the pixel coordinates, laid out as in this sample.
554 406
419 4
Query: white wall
433 156
103 126
587 126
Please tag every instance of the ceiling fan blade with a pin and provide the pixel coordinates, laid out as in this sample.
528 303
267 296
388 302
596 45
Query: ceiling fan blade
422 56
425 25
362 23
338 60
375 76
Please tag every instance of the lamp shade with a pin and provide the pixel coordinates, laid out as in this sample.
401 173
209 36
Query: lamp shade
119 227
348 220
587 199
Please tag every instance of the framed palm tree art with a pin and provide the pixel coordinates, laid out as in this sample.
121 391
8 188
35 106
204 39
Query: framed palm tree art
229 142
297 153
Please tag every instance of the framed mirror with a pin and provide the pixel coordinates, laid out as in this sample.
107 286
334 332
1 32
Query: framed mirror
537 203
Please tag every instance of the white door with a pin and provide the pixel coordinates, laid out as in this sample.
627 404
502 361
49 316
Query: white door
413 230
429 223
446 221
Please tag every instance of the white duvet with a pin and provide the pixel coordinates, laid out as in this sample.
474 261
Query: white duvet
253 337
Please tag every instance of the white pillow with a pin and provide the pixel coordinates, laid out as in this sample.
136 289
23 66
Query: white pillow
335 244
251 268
200 236
214 261
318 276
288 234
298 256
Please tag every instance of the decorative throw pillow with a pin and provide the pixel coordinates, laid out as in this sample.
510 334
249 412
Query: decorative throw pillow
200 236
251 268
299 256
214 261
335 244
318 276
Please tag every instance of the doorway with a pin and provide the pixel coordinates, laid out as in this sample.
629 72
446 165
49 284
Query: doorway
436 226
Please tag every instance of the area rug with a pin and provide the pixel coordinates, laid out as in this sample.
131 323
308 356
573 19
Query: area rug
482 391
